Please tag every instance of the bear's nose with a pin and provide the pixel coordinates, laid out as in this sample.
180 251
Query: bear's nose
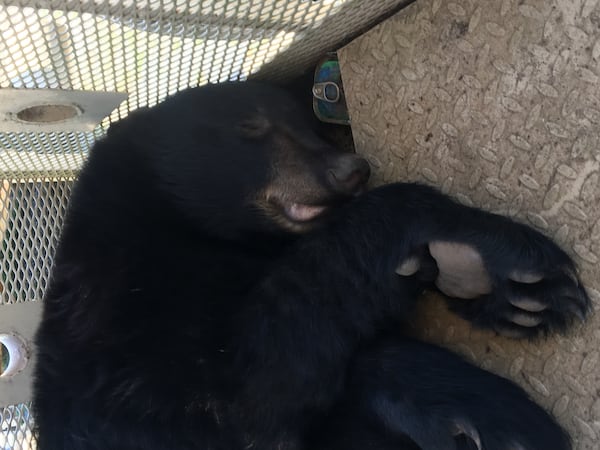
349 174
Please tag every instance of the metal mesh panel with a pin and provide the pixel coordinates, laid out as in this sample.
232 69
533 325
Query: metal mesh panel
15 428
155 47
148 49
30 218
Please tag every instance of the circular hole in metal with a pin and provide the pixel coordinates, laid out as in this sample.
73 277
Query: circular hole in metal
48 113
13 355
4 358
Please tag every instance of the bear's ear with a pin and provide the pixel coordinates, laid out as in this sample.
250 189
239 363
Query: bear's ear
255 127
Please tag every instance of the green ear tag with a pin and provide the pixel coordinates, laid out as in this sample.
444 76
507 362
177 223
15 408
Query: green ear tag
329 102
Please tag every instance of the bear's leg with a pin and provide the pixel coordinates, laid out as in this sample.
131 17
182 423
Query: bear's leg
297 331
498 273
407 395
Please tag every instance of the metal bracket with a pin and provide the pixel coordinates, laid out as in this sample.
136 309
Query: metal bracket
18 325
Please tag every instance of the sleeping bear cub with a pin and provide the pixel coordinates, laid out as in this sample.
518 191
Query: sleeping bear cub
224 282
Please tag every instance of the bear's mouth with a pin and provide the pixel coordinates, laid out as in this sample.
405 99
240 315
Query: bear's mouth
301 212
296 212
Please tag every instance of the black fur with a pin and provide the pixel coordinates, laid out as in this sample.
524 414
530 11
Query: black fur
180 315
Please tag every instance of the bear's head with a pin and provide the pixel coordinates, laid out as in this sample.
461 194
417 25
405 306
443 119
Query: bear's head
242 156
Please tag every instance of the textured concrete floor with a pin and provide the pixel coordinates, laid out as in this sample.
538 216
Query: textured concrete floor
498 103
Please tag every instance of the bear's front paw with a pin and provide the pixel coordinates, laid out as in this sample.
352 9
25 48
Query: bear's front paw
513 280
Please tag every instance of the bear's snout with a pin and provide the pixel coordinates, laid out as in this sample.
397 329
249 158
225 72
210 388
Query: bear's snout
349 174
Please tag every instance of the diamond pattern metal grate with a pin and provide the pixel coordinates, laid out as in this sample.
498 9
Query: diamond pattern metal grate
15 428
148 49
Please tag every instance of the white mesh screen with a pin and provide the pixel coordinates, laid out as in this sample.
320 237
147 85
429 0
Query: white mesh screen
15 428
32 213
148 49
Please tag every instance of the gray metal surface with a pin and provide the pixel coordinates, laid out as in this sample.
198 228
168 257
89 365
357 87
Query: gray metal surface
87 109
497 102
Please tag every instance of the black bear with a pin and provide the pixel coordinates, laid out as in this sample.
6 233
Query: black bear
224 282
